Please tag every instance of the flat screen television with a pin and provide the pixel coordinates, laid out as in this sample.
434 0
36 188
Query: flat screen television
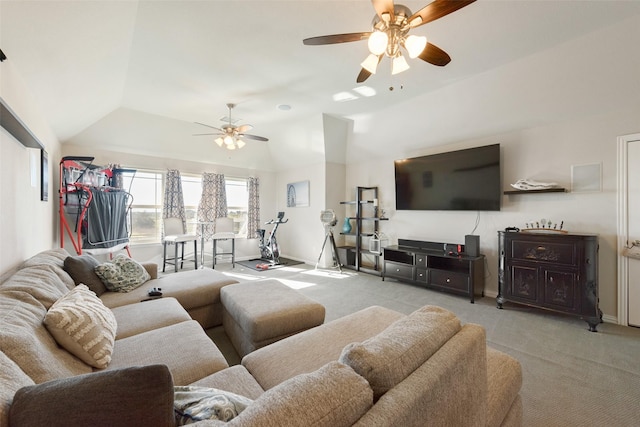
463 180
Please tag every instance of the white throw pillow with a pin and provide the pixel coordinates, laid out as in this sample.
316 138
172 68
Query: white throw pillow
82 325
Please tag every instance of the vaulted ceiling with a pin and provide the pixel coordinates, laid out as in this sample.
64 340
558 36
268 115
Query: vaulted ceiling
136 75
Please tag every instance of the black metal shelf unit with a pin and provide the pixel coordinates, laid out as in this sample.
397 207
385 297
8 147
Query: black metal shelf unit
366 224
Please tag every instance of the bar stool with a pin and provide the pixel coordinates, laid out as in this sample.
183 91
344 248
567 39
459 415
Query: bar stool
224 231
175 235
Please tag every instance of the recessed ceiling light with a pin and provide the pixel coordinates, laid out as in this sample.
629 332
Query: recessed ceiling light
284 107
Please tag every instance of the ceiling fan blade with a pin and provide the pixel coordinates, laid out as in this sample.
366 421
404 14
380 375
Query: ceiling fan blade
202 134
435 10
244 128
434 55
212 127
257 138
382 7
364 75
336 38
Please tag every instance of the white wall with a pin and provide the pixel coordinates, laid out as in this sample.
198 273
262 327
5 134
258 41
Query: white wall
545 153
27 222
301 238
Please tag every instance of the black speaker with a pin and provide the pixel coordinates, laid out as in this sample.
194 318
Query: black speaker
472 245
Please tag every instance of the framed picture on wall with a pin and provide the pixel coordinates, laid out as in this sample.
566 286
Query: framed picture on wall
298 194
44 176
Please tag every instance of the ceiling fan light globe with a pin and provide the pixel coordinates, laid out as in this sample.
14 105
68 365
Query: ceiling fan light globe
231 147
370 63
219 142
399 65
415 45
240 143
228 140
377 42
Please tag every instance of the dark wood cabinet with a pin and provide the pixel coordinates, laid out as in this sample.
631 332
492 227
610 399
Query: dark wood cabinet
557 272
428 264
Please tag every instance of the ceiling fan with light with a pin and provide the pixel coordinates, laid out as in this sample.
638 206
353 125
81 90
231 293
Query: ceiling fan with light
231 136
390 33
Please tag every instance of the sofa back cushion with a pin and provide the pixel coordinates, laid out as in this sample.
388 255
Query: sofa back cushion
332 396
389 357
43 283
26 341
12 379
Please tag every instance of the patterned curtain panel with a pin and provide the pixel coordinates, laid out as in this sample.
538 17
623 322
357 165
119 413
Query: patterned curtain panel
253 215
173 198
213 203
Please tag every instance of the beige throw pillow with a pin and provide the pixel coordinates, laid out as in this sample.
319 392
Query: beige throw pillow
389 357
81 324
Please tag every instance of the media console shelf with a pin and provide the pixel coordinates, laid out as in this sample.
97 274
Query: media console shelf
435 265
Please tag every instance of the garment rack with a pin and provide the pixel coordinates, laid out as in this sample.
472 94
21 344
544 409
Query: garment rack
93 196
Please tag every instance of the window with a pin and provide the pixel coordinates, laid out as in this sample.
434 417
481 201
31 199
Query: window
146 209
147 190
238 203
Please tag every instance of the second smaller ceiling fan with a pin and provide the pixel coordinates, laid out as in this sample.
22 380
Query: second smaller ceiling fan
229 135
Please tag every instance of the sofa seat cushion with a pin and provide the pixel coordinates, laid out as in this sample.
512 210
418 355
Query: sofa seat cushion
235 379
198 291
134 396
309 350
332 396
135 319
25 340
82 270
80 323
12 379
504 380
184 348
389 357
123 274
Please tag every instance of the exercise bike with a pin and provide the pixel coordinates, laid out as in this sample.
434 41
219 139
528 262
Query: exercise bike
269 250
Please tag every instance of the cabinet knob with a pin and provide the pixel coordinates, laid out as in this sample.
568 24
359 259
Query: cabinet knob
397 270
541 248
448 280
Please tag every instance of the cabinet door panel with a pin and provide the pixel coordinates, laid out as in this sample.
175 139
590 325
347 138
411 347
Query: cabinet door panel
523 282
560 290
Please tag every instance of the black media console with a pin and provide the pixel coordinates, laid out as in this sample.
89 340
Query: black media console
436 265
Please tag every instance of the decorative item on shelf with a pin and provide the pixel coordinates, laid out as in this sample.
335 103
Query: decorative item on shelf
529 184
346 226
544 226
377 242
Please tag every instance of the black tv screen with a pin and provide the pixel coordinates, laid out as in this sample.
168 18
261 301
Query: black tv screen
463 180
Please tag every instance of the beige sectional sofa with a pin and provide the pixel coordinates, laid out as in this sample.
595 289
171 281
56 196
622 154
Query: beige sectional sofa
376 367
